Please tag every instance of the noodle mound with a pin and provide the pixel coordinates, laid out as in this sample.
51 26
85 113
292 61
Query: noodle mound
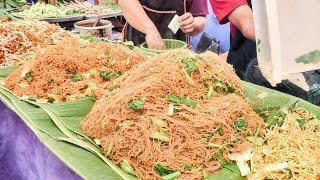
20 40
173 110
292 150
68 71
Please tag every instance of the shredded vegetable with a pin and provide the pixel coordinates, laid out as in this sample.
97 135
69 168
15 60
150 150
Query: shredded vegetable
20 40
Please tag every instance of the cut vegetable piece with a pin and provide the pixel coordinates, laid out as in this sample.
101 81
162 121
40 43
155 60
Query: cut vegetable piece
136 104
163 170
160 137
127 168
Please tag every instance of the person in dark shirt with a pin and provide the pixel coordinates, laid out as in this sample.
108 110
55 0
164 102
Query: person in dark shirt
148 20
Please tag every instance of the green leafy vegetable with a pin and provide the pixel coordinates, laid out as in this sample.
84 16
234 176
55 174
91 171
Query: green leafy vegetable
187 101
187 167
174 99
312 57
106 76
240 124
29 76
301 122
217 83
210 92
76 77
184 100
136 104
190 65
163 170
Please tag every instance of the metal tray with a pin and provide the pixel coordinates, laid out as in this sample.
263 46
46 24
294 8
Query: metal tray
58 20
104 15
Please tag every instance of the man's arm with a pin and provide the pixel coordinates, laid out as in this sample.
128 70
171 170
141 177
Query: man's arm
242 18
137 18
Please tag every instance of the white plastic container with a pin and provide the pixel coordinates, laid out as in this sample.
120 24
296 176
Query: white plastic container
285 31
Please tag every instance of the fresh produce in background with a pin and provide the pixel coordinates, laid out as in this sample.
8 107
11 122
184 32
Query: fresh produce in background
41 10
10 4
20 40
86 7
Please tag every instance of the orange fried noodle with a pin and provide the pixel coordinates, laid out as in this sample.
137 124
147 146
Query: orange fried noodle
189 134
71 70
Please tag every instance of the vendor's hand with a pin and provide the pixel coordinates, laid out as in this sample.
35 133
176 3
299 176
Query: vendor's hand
154 40
186 23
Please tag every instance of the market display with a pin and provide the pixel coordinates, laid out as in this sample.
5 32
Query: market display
86 8
72 69
41 10
174 115
20 40
109 112
291 150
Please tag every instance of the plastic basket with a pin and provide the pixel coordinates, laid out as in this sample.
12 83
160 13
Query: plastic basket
169 43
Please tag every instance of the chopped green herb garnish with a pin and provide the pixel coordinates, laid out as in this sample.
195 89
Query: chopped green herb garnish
136 104
240 124
106 76
29 76
190 65
187 101
163 170
217 83
205 84
301 122
210 92
174 99
188 167
76 77
184 100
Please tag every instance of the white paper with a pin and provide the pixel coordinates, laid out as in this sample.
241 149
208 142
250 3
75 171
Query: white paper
174 24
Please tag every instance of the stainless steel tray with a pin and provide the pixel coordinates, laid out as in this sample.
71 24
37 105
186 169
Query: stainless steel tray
58 20
104 15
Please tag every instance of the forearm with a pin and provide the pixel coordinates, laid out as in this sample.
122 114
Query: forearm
199 25
136 16
242 18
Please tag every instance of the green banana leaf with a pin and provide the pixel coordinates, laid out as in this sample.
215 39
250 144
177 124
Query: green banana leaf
34 115
5 71
81 161
66 118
